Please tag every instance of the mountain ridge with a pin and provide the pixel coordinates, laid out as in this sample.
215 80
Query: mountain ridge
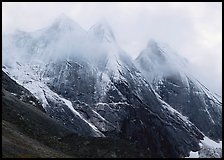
103 92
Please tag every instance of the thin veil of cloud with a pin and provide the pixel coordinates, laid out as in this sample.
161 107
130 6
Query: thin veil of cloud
193 29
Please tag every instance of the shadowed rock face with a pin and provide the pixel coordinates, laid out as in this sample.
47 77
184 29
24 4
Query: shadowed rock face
204 111
129 109
169 77
72 79
27 132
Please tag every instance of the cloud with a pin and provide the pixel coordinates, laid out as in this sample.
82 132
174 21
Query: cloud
193 29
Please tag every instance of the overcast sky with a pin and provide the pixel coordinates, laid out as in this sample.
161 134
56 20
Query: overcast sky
194 30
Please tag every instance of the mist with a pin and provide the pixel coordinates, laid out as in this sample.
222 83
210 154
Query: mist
193 30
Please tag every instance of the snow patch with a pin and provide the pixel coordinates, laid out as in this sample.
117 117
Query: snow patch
209 149
14 94
69 104
193 155
210 143
172 110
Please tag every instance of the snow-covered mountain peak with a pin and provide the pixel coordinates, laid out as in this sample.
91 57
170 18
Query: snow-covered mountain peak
63 16
64 23
154 50
152 55
152 43
161 54
158 60
160 51
102 31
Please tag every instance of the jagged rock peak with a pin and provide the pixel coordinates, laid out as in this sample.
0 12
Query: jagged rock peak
152 50
102 31
152 43
65 23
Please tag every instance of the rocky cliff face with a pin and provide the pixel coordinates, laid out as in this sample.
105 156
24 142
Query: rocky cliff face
28 132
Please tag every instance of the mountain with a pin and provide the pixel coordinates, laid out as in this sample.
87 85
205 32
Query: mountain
171 79
28 132
88 84
102 32
65 24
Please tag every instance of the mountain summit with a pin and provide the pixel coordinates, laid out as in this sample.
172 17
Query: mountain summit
102 31
64 23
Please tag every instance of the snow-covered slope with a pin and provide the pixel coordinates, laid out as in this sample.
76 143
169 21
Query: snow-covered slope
209 149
